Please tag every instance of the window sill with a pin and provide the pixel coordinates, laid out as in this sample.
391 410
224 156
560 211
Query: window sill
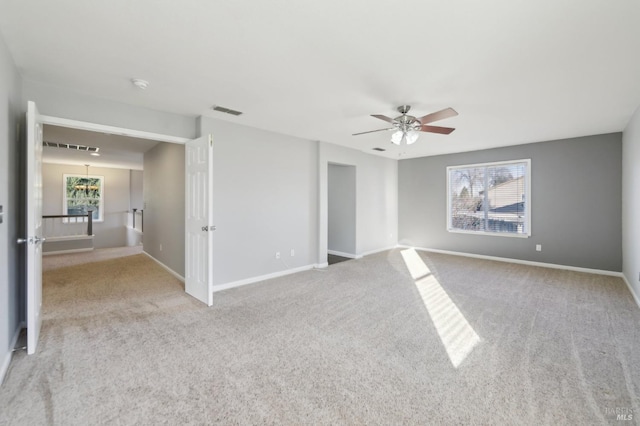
490 234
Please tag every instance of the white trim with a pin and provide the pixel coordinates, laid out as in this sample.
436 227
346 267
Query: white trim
252 280
93 127
321 265
68 238
490 163
7 357
47 253
527 194
633 293
520 261
489 234
343 254
169 270
367 253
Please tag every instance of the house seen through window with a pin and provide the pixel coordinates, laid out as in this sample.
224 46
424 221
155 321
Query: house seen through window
83 194
490 198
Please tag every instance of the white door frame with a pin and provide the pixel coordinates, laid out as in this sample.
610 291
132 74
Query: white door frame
113 130
121 131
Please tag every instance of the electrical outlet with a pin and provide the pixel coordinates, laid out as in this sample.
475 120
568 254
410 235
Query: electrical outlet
538 247
277 255
293 252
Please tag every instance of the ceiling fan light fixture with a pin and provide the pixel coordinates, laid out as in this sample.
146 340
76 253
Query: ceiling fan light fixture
396 137
411 137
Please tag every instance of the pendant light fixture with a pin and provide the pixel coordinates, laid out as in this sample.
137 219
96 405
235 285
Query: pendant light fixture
84 184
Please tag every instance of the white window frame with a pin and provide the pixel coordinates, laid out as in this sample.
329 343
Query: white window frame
64 197
527 197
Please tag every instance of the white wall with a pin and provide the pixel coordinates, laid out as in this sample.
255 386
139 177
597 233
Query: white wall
376 198
631 203
112 231
341 193
11 113
265 201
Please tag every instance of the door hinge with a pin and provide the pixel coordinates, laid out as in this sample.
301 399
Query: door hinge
210 140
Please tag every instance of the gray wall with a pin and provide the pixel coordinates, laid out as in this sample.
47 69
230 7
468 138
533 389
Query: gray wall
576 198
112 231
163 182
631 202
62 103
264 201
376 198
11 113
136 187
341 208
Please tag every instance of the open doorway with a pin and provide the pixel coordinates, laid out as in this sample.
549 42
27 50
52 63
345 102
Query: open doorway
92 194
341 213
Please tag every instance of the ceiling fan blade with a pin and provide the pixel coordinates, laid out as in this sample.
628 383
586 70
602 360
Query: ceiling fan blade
437 129
384 118
440 115
373 131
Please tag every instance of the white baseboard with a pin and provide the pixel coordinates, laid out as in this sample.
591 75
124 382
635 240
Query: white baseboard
7 357
633 293
66 251
361 255
169 270
342 254
321 265
252 280
519 261
367 253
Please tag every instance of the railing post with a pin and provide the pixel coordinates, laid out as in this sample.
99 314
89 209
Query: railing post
142 221
90 224
134 218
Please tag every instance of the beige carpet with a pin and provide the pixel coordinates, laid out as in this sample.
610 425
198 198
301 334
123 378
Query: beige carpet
55 261
462 341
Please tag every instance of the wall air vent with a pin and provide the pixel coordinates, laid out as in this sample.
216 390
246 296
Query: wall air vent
379 149
225 110
75 147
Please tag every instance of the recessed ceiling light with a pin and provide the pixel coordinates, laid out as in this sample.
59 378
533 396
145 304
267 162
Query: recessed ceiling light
139 83
95 154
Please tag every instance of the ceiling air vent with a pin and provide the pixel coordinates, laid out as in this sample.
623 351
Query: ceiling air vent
379 149
225 110
71 146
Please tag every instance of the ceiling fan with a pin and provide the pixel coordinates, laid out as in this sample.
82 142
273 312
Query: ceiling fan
407 126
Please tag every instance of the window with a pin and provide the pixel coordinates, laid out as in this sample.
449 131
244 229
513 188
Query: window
83 194
490 198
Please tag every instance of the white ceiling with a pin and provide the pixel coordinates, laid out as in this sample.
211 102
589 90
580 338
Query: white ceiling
516 71
115 151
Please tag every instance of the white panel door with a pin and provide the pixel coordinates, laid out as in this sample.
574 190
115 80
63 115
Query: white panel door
198 219
34 239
